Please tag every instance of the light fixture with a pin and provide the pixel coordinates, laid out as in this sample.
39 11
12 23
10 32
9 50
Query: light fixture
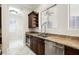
14 10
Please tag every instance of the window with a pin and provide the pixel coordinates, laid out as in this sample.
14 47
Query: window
74 22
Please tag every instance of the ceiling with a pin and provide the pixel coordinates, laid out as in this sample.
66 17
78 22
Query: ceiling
25 6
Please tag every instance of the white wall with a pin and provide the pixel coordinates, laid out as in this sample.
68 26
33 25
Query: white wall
13 39
62 17
5 36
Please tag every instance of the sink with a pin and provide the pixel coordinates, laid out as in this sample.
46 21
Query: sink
43 34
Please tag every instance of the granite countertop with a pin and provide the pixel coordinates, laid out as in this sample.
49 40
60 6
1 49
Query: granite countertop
64 40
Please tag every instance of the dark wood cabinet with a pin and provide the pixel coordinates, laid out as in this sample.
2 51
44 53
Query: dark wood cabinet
37 45
41 46
33 44
33 19
71 51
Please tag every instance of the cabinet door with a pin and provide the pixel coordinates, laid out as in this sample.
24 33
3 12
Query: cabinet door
41 46
37 45
33 44
71 51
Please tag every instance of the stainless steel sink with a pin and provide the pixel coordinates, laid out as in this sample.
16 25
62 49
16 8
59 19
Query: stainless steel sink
43 34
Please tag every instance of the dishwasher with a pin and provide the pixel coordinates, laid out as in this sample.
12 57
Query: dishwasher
52 48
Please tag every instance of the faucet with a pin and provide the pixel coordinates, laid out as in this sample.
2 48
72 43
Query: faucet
44 25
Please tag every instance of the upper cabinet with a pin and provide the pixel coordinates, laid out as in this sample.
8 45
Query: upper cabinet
33 19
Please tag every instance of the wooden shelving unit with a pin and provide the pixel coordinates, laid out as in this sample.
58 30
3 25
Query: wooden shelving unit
33 19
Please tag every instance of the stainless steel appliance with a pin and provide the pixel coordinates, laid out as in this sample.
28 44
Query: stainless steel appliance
52 48
28 40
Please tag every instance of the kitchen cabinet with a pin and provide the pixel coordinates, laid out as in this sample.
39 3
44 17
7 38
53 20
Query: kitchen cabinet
45 47
33 20
40 46
71 51
33 44
37 45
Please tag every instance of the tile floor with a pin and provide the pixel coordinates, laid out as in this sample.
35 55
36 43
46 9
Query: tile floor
21 51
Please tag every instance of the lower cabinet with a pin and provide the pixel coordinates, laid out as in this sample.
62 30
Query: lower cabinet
71 51
33 44
37 45
41 47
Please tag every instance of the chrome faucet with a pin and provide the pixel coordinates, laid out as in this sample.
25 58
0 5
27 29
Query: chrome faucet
44 24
